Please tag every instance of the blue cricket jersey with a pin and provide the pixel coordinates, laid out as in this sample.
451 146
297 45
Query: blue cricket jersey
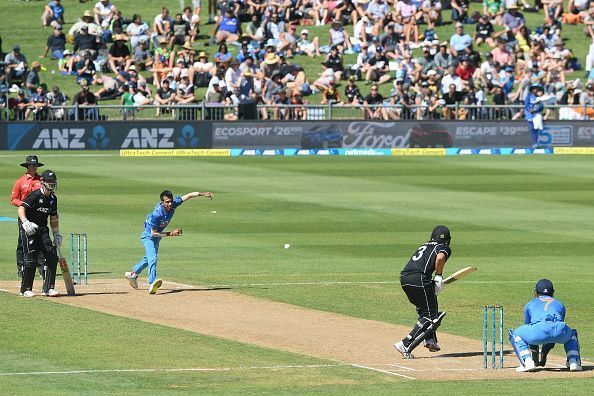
159 218
544 308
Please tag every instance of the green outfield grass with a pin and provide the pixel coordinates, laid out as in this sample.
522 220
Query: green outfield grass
349 220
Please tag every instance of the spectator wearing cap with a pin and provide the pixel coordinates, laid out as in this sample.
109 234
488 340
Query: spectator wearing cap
104 11
87 20
281 100
85 69
32 81
378 70
162 26
217 94
38 105
334 61
338 36
465 71
137 30
422 99
228 28
459 40
306 46
232 75
16 65
425 62
56 101
67 64
118 56
84 42
587 97
142 55
86 103
272 86
202 70
513 19
474 57
372 104
270 65
484 32
56 44
53 12
331 95
245 84
21 103
142 97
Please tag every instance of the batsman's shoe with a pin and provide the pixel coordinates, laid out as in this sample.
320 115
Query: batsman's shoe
53 293
132 278
28 293
402 349
574 366
528 366
155 286
431 345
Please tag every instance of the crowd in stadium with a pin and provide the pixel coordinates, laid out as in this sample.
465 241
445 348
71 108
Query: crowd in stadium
493 57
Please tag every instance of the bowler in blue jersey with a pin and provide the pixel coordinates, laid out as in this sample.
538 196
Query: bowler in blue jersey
154 230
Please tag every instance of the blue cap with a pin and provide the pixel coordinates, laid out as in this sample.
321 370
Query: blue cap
544 286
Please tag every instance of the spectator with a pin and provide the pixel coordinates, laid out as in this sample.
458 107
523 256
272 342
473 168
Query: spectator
232 76
142 55
119 55
21 103
298 113
185 91
587 97
228 28
281 100
331 95
88 21
85 69
449 79
142 96
246 84
553 8
460 10
223 57
378 69
67 65
180 32
451 97
16 65
86 103
501 54
137 30
162 26
408 10
104 10
38 105
339 37
32 81
323 82
202 70
56 44
296 80
270 64
351 92
272 87
372 109
53 14
86 43
459 40
513 19
334 61
111 86
443 59
465 71
484 32
493 10
127 101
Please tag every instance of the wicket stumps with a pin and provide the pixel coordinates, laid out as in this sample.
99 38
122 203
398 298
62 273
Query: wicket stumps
78 237
490 312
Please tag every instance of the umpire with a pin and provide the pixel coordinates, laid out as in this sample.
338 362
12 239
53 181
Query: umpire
422 291
34 234
24 185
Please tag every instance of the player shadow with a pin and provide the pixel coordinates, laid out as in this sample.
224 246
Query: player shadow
80 294
193 290
470 354
563 369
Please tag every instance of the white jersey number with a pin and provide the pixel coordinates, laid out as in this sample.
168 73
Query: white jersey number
420 253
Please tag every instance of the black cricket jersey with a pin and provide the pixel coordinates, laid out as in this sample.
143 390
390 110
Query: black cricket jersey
38 207
423 260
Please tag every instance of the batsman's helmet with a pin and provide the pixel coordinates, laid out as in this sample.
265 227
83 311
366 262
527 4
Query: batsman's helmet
544 287
441 234
49 180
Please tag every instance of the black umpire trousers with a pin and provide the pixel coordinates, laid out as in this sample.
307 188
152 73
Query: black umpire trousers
420 291
33 246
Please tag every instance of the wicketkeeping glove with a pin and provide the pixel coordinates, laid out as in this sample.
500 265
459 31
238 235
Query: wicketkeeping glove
58 239
29 227
439 285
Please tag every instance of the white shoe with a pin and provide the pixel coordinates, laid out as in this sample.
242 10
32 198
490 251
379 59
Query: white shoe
431 345
28 293
574 366
132 278
53 293
154 286
402 349
528 366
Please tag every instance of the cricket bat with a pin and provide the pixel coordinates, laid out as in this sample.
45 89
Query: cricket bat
459 274
66 274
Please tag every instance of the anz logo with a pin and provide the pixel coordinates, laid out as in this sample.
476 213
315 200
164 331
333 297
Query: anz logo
149 138
64 138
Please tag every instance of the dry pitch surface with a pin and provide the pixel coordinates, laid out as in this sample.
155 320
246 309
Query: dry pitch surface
345 340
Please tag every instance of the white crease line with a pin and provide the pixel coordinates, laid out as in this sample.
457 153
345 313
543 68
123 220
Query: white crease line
402 367
382 371
155 370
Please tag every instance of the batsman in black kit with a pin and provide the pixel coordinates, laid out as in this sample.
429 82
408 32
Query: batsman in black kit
422 291
34 234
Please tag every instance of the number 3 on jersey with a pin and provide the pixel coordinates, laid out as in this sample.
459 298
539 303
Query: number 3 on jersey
419 253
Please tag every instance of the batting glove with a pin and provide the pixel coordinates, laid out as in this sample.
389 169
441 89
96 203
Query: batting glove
29 227
58 239
439 285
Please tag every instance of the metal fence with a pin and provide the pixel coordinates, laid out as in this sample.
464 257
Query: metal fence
205 111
